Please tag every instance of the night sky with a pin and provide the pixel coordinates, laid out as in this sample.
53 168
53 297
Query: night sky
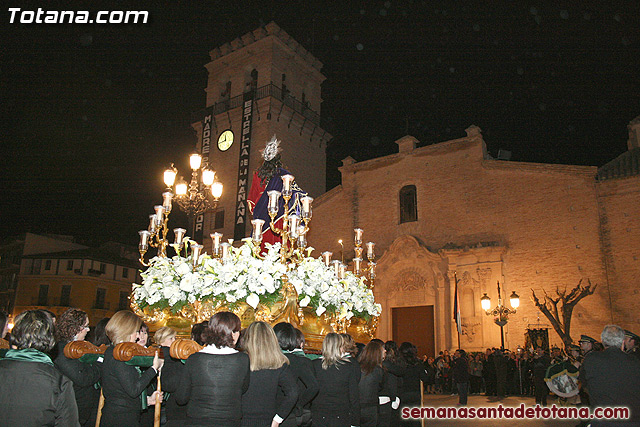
92 114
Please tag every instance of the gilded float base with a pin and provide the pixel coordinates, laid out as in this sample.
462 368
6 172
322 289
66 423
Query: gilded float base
313 327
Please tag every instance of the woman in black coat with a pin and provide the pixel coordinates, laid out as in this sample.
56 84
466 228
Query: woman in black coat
33 393
73 325
395 368
303 370
410 389
372 382
123 385
216 377
338 401
273 391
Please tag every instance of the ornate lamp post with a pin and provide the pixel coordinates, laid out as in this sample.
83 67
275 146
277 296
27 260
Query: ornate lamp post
201 193
196 197
500 312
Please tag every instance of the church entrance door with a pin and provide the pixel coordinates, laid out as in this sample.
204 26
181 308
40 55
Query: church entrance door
416 325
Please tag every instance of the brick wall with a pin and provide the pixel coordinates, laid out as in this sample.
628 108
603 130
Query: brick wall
546 216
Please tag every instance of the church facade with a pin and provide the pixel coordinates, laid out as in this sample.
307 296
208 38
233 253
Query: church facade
449 210
436 213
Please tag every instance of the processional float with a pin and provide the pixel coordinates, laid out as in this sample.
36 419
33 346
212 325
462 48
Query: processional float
273 279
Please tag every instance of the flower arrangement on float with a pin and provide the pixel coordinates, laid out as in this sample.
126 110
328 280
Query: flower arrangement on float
242 277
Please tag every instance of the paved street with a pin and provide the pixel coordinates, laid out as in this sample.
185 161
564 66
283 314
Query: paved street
476 401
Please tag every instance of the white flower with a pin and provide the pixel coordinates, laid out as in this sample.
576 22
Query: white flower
253 300
305 301
183 268
186 284
320 310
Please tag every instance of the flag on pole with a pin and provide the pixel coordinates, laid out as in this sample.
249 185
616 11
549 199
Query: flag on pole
456 307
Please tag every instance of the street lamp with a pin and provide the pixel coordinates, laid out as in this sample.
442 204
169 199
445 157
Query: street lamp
201 193
194 198
500 312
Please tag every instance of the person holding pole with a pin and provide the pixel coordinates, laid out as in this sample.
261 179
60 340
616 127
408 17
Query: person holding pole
123 386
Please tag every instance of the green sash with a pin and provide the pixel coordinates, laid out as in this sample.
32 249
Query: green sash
28 355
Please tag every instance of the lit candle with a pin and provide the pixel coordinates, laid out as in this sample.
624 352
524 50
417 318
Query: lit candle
179 235
326 257
159 214
287 180
356 265
152 223
294 221
274 196
144 240
166 201
358 237
226 249
341 271
306 206
216 237
370 254
256 235
195 253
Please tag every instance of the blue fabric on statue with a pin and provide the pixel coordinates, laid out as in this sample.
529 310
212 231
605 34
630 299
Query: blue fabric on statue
260 211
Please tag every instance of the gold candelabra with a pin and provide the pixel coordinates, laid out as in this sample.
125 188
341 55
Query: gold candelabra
201 193
190 198
367 272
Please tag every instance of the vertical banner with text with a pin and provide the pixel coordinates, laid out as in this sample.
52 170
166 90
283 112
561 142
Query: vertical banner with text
205 145
243 168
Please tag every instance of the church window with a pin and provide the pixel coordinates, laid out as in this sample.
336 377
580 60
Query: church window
408 204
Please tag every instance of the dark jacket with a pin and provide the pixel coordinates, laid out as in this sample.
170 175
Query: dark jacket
339 395
35 394
122 387
410 387
612 378
84 376
395 371
540 365
213 385
460 370
172 372
260 403
370 386
308 387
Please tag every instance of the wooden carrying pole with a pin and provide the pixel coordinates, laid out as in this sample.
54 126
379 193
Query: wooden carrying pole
100 405
158 408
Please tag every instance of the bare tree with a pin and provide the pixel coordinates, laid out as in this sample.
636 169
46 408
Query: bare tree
559 309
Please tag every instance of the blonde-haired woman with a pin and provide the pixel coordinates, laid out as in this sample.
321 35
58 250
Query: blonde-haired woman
273 391
122 384
165 336
172 372
338 401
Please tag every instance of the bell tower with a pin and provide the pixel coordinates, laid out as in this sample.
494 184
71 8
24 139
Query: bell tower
261 84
